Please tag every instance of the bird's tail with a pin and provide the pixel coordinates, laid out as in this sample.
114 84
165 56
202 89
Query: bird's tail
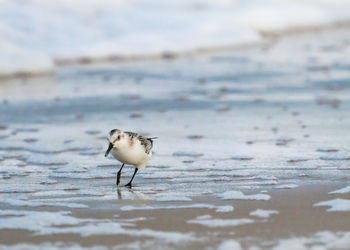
152 138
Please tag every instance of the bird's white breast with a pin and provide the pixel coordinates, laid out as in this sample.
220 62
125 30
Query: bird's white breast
133 155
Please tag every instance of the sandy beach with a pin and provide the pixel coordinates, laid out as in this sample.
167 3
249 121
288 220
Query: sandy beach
253 151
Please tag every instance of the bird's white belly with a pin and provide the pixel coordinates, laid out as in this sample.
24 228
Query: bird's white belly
136 157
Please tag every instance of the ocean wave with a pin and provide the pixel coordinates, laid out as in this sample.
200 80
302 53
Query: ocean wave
37 35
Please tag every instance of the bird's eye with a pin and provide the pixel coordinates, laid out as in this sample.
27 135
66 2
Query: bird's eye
118 137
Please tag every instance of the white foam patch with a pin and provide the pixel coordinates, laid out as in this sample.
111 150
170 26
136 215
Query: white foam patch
132 208
36 221
238 195
113 228
286 186
320 241
221 222
224 209
45 223
11 212
132 219
203 217
335 205
171 197
263 213
343 190
229 245
51 246
39 203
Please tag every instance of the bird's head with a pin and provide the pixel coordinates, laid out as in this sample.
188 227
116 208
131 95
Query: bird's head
116 139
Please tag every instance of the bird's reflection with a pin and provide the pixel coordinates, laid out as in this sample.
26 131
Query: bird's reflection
119 192
125 193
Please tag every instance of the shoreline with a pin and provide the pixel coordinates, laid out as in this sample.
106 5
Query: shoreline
268 37
294 219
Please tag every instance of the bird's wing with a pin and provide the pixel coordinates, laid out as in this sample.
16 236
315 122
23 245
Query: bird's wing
147 143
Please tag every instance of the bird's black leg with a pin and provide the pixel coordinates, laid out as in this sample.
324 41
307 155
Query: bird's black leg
129 184
118 175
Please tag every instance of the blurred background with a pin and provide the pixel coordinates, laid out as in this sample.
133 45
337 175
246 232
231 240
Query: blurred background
36 36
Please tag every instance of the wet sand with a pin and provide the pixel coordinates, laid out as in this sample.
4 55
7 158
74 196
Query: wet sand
296 217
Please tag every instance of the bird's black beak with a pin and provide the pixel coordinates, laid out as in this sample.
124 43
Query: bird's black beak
110 146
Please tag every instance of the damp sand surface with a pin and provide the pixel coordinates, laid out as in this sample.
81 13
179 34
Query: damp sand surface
252 151
200 223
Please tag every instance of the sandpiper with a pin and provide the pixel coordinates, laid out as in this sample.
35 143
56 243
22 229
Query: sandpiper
129 148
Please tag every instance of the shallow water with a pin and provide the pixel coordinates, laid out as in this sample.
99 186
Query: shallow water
238 131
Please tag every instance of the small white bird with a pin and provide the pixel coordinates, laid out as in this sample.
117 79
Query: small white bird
129 148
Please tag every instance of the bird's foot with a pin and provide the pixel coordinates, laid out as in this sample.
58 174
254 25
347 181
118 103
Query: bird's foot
128 185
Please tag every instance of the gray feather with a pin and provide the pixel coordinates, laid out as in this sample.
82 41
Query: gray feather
147 143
